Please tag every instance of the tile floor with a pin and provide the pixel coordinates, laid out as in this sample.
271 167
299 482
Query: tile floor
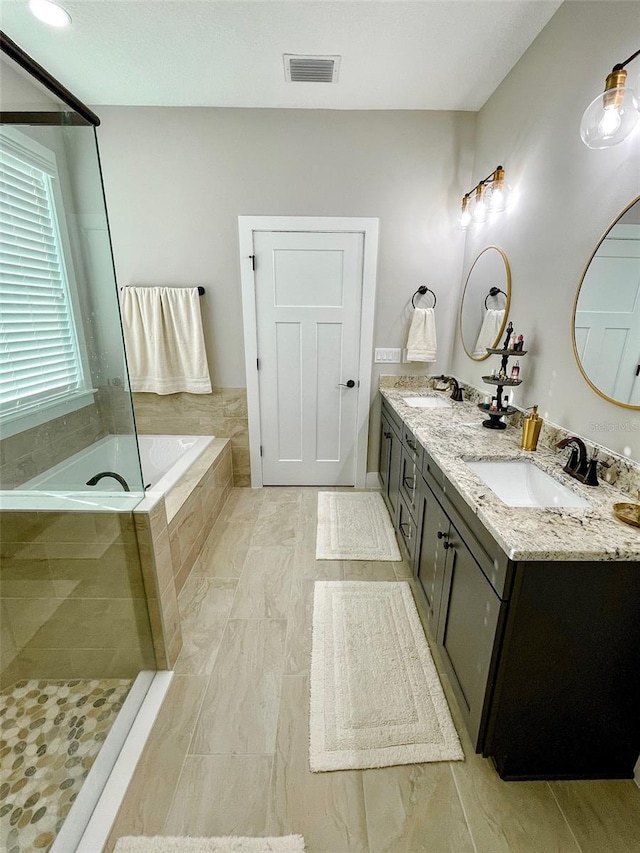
229 752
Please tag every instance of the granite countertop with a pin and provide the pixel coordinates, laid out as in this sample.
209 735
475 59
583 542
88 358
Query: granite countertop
455 434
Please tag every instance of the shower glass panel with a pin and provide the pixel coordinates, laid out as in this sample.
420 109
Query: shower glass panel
65 409
74 618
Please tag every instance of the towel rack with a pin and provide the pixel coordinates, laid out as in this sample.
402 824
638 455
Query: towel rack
494 291
422 290
201 290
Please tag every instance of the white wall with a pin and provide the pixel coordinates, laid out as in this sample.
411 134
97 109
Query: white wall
177 179
567 196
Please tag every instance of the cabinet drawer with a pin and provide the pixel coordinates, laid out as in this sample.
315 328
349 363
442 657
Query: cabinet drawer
429 467
407 530
412 446
409 482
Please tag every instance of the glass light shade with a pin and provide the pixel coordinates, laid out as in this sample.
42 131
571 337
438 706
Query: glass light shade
500 194
479 213
49 13
610 118
465 215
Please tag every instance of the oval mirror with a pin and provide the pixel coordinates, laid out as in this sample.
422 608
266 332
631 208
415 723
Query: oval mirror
485 302
606 313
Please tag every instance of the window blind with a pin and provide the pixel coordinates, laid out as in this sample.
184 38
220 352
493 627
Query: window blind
39 358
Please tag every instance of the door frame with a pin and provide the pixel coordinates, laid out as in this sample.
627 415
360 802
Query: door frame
368 227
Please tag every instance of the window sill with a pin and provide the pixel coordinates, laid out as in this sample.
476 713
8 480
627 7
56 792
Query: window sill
22 421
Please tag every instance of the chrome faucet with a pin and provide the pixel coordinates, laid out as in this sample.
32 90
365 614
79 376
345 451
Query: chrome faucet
578 466
456 394
97 477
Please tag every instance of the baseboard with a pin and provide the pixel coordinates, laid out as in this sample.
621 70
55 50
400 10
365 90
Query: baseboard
373 480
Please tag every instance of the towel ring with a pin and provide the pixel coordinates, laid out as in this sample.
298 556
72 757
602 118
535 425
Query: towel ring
422 290
494 291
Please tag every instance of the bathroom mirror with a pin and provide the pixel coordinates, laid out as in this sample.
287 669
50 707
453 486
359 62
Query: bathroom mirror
606 313
485 302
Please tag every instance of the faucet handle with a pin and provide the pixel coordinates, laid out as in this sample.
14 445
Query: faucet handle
572 462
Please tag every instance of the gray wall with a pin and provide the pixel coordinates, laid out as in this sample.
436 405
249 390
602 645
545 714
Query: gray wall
177 179
567 196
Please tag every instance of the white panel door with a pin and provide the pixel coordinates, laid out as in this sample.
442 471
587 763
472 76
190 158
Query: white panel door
308 290
607 324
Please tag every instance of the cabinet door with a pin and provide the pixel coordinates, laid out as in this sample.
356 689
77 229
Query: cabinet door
385 454
431 558
467 628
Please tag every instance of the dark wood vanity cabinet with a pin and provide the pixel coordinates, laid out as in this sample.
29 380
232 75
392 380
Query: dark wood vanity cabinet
543 657
463 609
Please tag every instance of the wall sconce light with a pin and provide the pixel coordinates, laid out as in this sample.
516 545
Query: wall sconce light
611 116
490 195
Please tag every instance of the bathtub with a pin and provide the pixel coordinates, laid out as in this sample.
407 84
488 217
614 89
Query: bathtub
163 458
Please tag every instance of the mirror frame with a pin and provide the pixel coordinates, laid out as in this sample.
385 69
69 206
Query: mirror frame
507 306
575 308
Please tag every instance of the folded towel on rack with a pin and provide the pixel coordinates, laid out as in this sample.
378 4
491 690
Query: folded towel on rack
421 341
489 331
164 340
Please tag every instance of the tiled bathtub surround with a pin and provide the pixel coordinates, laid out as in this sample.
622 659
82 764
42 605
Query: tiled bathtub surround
171 531
29 453
72 597
52 732
222 413
622 473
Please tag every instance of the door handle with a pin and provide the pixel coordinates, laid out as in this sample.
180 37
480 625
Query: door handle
348 384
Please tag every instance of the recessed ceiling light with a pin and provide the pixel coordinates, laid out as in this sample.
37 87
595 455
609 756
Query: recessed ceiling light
49 13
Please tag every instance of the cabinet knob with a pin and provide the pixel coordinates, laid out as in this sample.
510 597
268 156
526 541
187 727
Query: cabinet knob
447 545
411 443
387 435
442 534
409 482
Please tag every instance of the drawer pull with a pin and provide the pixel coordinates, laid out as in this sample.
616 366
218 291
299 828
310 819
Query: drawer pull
410 443
387 435
404 524
409 482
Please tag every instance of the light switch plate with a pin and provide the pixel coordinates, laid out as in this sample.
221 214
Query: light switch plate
387 356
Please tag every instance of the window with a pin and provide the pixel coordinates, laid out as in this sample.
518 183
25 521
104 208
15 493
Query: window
40 356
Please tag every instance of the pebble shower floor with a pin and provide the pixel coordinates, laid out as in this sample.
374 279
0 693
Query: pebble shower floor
50 734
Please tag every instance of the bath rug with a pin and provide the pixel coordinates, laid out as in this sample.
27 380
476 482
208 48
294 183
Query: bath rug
180 844
354 526
376 699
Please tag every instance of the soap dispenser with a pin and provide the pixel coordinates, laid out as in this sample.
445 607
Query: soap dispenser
531 427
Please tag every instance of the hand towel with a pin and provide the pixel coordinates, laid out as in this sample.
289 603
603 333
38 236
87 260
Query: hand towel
164 340
421 341
489 331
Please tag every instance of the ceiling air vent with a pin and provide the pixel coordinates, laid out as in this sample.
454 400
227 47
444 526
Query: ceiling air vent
311 69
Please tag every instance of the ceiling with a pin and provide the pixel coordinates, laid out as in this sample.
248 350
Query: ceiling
425 55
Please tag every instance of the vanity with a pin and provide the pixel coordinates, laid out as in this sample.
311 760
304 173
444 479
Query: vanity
535 610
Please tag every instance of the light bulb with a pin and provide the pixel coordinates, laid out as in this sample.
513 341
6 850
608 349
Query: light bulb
480 205
49 13
611 116
610 121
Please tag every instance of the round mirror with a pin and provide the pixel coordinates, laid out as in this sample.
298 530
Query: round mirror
485 302
606 313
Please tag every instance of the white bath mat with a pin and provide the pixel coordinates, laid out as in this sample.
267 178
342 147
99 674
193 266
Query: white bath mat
376 699
160 844
354 526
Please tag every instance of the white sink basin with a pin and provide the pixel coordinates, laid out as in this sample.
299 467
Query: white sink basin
427 402
518 482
